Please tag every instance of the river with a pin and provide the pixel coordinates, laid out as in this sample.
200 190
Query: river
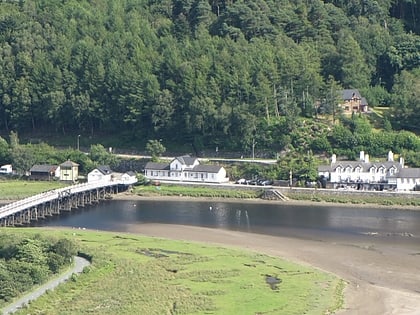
332 222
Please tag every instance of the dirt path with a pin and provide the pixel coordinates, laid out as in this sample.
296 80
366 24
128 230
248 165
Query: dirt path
383 279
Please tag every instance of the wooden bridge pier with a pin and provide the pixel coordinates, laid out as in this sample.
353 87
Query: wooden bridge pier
51 203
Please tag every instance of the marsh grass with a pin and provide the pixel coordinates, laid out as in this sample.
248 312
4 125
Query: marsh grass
18 189
132 274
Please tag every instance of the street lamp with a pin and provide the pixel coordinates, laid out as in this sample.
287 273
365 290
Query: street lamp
78 142
253 149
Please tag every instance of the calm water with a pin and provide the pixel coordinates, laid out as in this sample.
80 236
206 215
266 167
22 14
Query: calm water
312 222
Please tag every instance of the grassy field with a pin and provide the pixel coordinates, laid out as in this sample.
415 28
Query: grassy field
195 191
346 199
18 189
132 274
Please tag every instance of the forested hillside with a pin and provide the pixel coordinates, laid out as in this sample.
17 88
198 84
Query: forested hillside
226 73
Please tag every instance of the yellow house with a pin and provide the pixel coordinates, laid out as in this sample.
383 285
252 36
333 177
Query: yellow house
69 171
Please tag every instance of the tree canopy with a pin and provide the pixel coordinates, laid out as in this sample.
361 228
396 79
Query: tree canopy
201 72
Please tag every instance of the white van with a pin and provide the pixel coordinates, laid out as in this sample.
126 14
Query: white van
6 169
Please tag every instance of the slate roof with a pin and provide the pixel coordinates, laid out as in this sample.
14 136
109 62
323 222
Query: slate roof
197 168
207 168
104 169
348 94
365 167
156 166
186 159
43 168
68 163
409 173
364 102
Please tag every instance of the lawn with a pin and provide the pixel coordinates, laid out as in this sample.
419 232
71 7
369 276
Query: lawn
18 189
131 274
196 191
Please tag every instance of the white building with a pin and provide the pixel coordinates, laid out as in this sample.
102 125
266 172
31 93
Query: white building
101 173
364 174
186 168
129 178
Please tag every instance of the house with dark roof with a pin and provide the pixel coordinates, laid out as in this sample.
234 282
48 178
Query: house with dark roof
366 175
353 102
101 173
44 172
186 168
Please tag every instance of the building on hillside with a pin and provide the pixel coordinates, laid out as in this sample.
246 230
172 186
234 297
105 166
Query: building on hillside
69 171
101 173
353 102
366 175
44 172
186 168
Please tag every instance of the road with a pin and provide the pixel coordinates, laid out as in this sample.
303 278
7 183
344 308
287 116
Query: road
79 264
169 158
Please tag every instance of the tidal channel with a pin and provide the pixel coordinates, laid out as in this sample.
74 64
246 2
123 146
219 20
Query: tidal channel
315 222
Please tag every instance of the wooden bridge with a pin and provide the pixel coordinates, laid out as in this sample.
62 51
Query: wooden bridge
55 201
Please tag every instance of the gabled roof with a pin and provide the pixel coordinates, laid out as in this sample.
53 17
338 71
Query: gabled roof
68 163
366 166
104 169
324 168
130 173
43 168
207 168
350 93
186 160
156 166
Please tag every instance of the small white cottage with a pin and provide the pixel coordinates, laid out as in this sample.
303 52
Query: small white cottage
101 173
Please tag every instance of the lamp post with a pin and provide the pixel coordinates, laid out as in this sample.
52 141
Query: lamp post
253 149
78 142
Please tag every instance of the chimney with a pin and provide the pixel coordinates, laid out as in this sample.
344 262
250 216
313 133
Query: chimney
333 158
367 158
362 156
390 156
402 161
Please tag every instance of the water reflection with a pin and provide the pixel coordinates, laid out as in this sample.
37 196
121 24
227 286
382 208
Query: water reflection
266 218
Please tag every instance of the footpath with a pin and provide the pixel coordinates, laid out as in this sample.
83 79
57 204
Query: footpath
79 264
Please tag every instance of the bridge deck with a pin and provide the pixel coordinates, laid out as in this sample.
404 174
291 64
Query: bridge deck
56 194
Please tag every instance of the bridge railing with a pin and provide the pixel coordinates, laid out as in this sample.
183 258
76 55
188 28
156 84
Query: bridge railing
51 195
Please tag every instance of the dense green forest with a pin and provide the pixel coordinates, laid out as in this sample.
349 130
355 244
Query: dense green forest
213 73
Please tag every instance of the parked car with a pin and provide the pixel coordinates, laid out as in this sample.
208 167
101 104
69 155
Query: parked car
241 181
265 182
252 182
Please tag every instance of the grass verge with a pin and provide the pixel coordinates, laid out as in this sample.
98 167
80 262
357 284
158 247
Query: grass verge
131 274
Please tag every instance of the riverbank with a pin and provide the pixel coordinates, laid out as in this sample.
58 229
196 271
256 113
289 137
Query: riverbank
381 279
305 202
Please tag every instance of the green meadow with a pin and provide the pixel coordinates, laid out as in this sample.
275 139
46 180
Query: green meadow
18 189
132 274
